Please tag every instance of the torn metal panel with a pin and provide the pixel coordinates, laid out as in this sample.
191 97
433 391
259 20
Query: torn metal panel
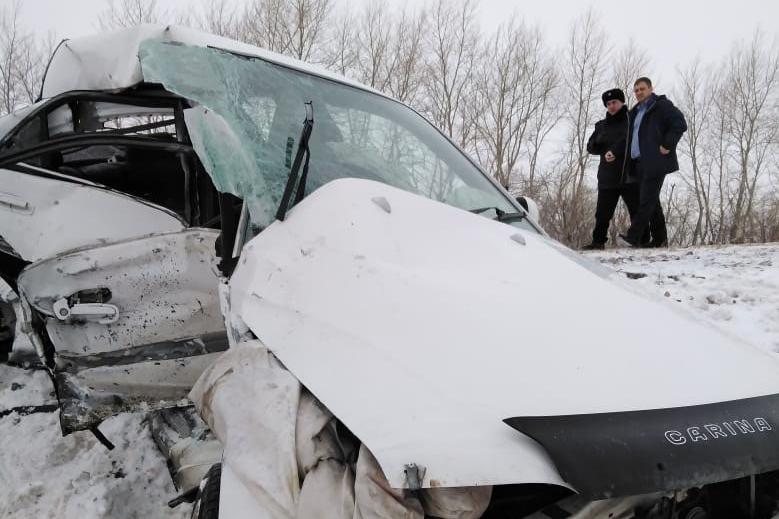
27 345
168 350
132 323
59 216
164 288
90 395
5 248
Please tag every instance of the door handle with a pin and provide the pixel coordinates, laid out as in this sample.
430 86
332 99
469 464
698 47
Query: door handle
15 204
103 312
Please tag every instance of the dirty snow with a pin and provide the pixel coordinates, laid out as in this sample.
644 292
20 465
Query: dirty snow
43 474
735 288
24 387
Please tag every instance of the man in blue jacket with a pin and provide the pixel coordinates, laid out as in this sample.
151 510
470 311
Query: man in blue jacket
656 126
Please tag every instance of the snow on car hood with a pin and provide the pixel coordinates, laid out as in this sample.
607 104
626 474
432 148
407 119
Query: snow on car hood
422 327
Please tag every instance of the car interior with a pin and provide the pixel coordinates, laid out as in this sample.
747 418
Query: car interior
136 144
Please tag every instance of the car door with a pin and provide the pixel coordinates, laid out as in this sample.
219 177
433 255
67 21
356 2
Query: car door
104 236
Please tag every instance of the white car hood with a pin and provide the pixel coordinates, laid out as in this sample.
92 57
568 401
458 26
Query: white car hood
422 327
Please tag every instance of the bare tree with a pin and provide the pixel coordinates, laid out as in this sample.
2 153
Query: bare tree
677 203
292 27
586 59
453 42
12 40
696 101
405 74
342 50
583 77
219 17
524 112
542 122
511 87
754 107
627 65
23 60
262 25
389 52
306 33
767 215
374 42
126 13
719 149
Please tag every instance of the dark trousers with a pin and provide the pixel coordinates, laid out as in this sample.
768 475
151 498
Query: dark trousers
607 204
649 214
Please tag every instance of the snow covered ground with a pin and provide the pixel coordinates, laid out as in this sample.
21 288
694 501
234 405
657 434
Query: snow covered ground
736 288
43 474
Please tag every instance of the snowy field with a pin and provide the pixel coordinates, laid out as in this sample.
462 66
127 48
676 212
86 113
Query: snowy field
736 288
45 475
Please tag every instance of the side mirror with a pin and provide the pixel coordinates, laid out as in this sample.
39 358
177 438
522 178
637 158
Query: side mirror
529 205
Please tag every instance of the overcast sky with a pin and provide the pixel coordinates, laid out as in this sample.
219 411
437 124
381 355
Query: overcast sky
672 31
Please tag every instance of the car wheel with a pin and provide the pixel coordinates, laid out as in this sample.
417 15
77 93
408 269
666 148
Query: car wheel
207 504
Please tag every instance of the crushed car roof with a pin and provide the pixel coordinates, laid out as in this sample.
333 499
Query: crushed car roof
109 61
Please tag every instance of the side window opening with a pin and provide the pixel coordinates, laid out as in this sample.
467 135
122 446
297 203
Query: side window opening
140 149
143 151
151 174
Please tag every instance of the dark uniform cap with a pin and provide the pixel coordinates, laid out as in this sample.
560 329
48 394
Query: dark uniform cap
614 93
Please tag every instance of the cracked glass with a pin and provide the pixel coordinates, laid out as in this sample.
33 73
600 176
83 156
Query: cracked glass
248 116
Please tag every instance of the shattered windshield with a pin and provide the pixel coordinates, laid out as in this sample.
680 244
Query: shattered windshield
249 118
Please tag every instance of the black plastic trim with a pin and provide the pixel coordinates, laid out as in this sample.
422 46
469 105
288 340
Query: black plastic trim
638 452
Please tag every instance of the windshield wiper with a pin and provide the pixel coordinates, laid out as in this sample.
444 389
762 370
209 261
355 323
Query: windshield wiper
308 126
501 215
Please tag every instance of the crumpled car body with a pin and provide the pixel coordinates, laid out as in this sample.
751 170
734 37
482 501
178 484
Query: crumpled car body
161 203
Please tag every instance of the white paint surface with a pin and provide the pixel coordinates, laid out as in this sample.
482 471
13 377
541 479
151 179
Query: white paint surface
42 473
64 215
165 287
424 328
109 61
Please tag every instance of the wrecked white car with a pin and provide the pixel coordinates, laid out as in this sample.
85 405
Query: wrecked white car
401 339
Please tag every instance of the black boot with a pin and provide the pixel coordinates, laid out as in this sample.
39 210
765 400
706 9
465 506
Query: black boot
646 239
626 240
594 246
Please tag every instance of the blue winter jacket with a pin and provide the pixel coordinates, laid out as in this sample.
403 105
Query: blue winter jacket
662 125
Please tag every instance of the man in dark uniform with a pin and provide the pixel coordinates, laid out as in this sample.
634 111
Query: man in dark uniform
656 128
609 141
